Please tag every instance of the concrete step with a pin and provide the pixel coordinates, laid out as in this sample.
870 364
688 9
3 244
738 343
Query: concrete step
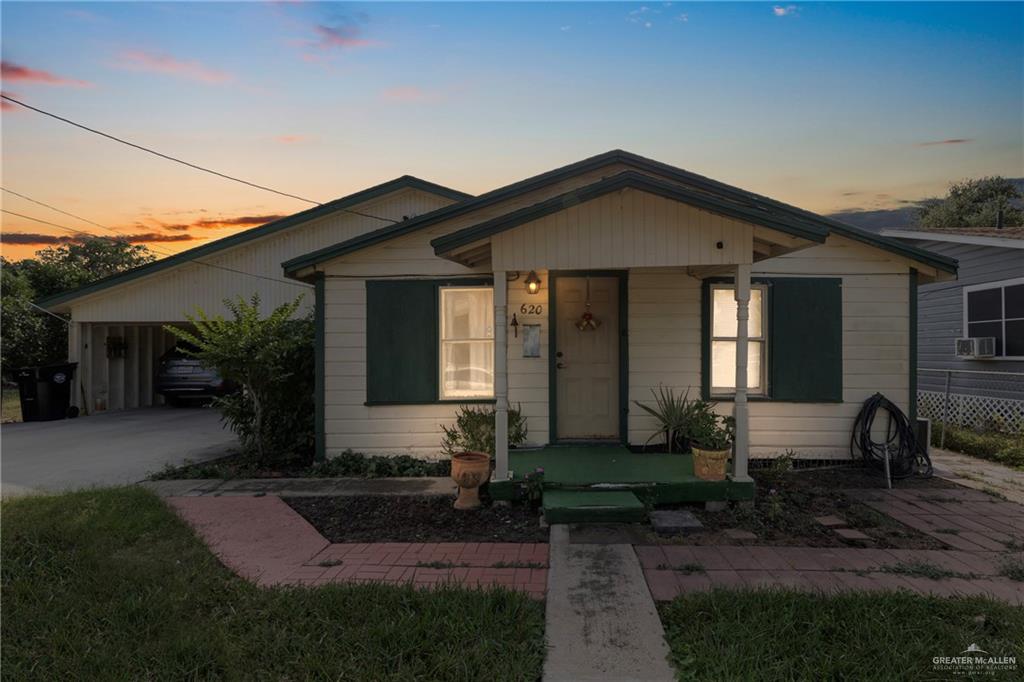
590 506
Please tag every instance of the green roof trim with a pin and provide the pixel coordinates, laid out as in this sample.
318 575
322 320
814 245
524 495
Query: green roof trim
708 189
375 192
632 180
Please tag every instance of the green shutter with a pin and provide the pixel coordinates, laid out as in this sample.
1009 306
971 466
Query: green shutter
401 341
806 340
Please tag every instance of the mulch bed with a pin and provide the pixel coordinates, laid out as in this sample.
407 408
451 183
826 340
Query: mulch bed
787 503
416 518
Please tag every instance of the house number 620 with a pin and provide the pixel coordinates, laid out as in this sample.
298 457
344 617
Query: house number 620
531 309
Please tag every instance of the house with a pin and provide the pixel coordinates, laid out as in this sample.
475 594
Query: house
985 302
570 294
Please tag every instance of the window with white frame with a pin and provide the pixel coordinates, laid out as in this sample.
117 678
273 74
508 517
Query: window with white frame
723 340
467 342
996 309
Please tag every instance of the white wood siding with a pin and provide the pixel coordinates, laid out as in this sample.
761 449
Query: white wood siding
628 228
169 295
664 320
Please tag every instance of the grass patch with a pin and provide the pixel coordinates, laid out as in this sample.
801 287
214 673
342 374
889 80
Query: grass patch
346 465
783 635
10 406
109 584
922 569
1013 569
1005 448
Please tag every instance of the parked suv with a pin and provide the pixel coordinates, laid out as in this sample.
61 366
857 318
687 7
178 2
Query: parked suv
180 377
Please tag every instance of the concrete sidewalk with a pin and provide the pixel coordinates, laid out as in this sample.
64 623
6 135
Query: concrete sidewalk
980 474
601 621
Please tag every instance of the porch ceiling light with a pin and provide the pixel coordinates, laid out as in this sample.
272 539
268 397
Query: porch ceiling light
532 283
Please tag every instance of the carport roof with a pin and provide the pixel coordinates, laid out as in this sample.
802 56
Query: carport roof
771 210
343 203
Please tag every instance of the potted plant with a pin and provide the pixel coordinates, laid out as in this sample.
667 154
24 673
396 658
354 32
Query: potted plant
469 471
674 414
711 437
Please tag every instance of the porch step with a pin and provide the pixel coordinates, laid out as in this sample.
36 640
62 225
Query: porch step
593 506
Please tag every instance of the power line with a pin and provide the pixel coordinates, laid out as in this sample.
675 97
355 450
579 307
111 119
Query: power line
162 253
54 208
186 163
156 153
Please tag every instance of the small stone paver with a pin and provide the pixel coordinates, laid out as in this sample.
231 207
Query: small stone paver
264 540
674 521
852 534
831 521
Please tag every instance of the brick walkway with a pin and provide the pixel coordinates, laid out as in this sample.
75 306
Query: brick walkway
266 541
674 569
963 519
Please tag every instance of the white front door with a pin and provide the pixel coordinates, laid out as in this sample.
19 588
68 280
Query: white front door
587 359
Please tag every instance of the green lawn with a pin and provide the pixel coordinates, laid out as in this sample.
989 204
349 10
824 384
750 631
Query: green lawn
109 584
776 635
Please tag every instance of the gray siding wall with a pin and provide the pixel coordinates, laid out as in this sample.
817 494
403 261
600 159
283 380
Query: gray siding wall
940 321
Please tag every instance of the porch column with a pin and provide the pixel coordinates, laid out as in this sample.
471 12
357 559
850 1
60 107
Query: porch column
741 447
500 376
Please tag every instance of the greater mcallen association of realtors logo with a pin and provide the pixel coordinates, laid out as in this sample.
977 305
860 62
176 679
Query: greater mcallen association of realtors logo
974 660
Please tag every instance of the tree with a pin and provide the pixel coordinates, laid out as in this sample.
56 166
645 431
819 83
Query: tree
974 203
271 358
74 264
31 336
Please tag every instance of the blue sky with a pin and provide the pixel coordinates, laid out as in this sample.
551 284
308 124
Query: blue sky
829 106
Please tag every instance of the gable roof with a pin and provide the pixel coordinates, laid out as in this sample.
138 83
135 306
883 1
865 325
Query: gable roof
1007 237
634 180
765 208
341 204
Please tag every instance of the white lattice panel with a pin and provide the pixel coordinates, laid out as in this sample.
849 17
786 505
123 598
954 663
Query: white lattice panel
972 410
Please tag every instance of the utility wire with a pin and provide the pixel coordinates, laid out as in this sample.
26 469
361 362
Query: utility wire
156 153
183 162
162 253
54 208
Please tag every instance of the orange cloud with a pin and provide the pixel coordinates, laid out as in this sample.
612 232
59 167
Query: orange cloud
139 60
218 223
291 139
16 72
39 239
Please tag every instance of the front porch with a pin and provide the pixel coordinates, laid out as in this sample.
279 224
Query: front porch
612 483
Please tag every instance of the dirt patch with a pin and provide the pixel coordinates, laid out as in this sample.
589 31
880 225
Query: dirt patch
416 518
787 503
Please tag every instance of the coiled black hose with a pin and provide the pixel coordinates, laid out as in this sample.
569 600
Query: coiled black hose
907 457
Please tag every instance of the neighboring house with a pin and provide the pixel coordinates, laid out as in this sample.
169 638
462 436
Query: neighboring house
986 302
570 294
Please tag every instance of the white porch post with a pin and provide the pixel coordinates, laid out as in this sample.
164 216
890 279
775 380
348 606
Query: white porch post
741 447
500 376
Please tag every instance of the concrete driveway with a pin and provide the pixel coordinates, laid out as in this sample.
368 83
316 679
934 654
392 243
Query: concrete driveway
107 449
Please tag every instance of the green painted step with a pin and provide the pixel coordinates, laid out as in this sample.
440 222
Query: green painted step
593 506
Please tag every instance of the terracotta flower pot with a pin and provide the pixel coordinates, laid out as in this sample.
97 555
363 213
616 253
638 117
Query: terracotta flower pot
470 470
710 465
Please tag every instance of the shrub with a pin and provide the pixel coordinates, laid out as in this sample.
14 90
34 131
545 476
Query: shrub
354 465
1004 448
271 358
473 430
674 414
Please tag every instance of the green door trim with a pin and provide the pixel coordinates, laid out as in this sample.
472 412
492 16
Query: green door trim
623 277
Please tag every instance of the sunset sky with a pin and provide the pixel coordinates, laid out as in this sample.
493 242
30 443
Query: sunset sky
828 106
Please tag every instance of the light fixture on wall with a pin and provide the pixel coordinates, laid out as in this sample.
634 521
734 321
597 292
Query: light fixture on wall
532 283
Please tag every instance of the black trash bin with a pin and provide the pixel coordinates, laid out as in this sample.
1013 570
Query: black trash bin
45 392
